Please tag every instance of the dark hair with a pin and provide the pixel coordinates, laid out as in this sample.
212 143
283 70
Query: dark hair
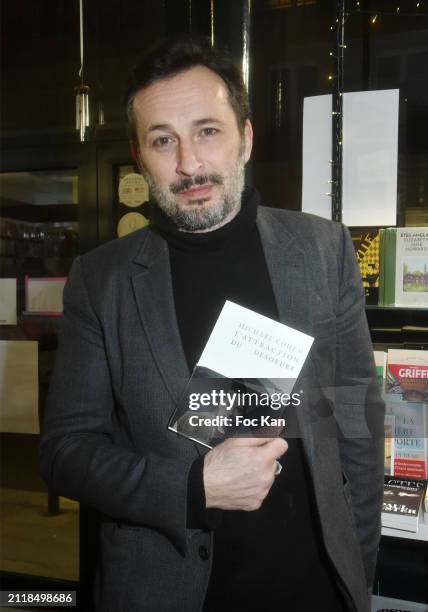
169 58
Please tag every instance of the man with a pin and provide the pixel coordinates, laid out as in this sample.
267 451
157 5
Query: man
184 529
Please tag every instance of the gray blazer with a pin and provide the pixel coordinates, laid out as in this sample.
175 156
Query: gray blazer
120 370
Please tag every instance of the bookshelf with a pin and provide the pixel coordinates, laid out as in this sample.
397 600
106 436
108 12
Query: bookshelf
402 571
393 326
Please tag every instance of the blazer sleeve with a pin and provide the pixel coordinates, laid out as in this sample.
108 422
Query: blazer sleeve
359 409
78 458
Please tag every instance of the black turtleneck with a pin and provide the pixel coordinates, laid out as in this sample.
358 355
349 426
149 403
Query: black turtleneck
212 267
272 557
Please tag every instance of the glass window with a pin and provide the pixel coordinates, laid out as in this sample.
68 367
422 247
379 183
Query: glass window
290 58
293 56
38 242
387 49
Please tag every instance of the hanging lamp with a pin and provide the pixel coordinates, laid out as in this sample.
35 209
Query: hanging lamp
82 90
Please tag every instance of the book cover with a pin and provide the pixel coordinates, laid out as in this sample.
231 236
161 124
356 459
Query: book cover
411 267
366 243
406 398
409 453
410 457
402 503
243 382
389 266
407 374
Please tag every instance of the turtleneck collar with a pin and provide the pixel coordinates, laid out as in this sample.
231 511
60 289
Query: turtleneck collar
233 231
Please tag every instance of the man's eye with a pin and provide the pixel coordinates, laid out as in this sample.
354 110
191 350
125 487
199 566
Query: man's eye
209 131
162 141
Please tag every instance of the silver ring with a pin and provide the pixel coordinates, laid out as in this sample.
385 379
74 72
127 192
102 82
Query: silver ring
278 468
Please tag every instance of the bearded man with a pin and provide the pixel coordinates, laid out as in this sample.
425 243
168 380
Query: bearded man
184 529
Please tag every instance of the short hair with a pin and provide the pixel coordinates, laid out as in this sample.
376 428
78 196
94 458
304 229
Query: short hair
170 58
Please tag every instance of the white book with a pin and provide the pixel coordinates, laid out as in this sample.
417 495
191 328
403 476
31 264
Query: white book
245 344
244 379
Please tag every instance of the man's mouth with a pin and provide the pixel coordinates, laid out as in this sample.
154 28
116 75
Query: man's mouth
197 192
198 187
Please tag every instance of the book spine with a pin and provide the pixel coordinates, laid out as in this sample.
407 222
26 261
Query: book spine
390 265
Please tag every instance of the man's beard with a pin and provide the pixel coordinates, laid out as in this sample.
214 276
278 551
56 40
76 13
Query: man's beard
193 216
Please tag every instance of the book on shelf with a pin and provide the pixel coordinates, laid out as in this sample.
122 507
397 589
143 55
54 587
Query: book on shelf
402 503
406 400
403 266
389 255
366 244
411 266
410 457
408 445
389 428
243 382
381 358
407 374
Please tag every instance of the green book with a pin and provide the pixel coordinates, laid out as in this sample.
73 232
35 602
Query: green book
411 267
390 251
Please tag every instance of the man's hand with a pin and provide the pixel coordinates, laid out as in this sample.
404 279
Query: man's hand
239 472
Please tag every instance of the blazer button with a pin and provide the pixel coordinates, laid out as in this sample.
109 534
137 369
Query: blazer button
204 553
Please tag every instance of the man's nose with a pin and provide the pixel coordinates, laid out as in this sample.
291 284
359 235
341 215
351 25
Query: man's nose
188 162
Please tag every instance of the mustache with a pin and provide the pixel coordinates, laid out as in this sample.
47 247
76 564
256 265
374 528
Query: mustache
200 179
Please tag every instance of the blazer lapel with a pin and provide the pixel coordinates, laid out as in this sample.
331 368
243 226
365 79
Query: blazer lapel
155 301
286 265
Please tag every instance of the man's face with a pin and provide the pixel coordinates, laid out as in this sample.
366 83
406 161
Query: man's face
190 149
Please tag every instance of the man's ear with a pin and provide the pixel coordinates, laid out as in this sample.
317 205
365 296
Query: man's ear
248 140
